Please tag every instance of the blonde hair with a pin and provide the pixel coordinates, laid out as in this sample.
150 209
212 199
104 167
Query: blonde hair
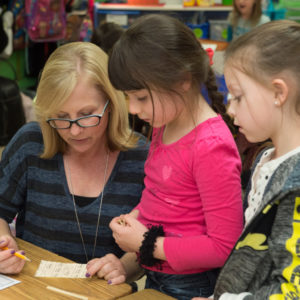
59 78
254 18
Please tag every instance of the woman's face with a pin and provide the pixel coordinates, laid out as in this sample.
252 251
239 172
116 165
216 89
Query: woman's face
84 100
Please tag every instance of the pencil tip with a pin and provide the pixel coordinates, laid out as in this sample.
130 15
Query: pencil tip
28 259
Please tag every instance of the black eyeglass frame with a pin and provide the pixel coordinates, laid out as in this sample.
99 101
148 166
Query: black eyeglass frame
71 122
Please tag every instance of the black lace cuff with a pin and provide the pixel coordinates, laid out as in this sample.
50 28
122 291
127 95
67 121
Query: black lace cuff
148 246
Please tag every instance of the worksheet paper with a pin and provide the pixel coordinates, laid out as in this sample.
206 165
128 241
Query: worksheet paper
57 269
6 282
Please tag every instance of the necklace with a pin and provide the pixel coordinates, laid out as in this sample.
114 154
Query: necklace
99 211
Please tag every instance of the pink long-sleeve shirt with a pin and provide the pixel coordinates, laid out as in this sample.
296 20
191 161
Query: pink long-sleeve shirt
192 188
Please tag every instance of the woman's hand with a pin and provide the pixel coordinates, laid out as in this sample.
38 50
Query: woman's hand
9 263
128 232
108 267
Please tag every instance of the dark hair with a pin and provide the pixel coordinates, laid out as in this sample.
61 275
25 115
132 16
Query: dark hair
106 35
157 52
267 51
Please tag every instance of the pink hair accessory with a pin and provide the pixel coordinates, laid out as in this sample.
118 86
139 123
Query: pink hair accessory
210 53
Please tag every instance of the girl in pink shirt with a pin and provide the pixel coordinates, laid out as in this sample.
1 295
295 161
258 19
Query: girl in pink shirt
190 214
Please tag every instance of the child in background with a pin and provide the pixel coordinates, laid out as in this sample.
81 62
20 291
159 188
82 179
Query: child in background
266 99
106 35
190 213
246 15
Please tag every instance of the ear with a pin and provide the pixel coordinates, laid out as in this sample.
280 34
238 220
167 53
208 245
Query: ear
281 90
186 85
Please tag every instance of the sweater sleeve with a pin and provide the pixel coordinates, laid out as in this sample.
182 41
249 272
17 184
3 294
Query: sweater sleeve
282 280
13 170
216 170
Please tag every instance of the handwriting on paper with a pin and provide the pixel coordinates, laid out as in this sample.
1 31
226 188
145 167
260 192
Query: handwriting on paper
57 269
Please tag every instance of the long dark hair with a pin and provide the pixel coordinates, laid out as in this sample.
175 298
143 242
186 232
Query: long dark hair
158 52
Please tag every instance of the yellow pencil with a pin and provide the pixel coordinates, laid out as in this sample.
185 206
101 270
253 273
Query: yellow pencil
18 254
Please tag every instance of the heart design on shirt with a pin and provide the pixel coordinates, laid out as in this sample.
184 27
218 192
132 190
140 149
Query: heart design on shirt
166 172
172 202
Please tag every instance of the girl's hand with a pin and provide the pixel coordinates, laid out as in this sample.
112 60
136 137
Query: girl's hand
108 267
128 232
134 213
9 263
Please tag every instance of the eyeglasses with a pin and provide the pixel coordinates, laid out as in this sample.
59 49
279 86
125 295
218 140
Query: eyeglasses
88 121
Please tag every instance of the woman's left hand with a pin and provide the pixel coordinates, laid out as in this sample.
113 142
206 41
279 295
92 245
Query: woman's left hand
128 233
108 267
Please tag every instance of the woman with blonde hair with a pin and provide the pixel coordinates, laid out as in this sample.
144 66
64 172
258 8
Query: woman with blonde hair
69 174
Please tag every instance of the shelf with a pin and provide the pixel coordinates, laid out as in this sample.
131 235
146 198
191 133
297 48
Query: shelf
125 7
125 15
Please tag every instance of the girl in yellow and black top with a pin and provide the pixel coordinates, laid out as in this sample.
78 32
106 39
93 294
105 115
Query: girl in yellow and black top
262 76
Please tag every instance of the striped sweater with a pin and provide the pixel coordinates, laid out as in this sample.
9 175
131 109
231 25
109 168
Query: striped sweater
36 189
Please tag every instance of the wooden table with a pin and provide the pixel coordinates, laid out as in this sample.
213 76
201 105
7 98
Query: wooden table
35 287
147 294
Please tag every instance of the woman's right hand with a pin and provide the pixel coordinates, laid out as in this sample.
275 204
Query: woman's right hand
9 263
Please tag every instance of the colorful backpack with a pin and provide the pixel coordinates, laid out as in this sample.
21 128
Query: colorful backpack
79 28
18 9
45 20
79 21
